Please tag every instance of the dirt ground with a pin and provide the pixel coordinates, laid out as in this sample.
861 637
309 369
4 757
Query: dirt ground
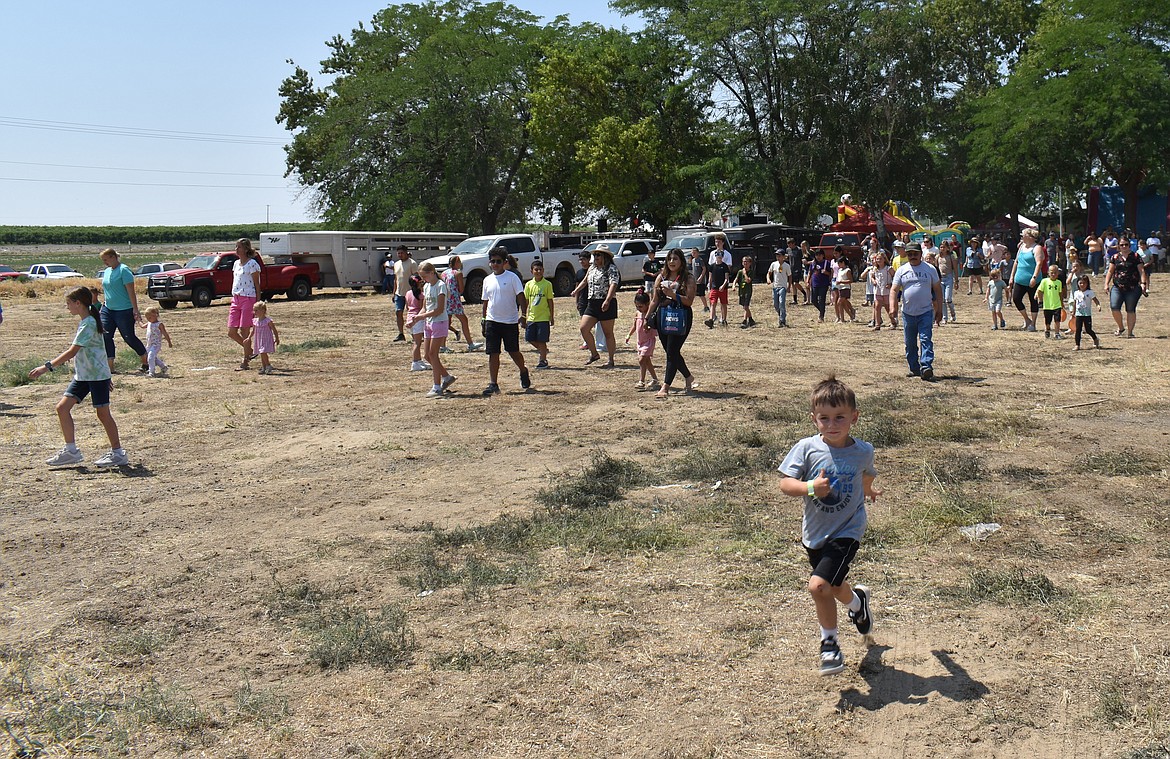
182 605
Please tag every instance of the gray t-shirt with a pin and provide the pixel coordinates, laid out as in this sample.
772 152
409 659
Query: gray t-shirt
841 514
917 283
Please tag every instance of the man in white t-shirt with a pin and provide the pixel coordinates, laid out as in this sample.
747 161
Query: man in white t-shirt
404 268
778 275
504 305
922 307
720 252
1155 243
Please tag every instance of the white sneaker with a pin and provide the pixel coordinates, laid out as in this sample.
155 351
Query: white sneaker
433 393
113 459
65 457
419 366
447 381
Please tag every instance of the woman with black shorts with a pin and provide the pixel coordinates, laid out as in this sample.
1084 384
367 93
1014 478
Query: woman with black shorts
675 286
601 284
1027 271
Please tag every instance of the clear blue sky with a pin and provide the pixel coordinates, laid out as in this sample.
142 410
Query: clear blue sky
83 82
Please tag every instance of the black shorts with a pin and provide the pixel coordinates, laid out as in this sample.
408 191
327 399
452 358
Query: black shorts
495 333
975 272
594 309
97 390
798 276
830 562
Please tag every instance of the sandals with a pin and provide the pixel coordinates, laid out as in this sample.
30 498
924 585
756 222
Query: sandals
639 385
243 367
662 394
692 387
593 359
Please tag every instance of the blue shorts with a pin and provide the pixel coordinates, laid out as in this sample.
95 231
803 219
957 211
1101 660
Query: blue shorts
399 302
1127 298
537 332
97 390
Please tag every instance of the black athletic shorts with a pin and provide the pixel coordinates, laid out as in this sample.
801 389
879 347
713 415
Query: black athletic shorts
495 333
831 561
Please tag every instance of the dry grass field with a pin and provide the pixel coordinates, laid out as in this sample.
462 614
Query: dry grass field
323 563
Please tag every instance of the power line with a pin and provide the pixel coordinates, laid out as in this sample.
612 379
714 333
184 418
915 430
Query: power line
146 184
157 134
123 168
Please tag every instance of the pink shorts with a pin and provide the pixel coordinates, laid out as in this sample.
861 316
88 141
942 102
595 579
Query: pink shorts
436 330
240 314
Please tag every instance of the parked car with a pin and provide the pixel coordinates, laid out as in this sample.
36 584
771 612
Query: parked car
8 273
50 271
157 268
628 256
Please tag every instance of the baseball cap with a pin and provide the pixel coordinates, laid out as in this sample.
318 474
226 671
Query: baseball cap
914 246
899 244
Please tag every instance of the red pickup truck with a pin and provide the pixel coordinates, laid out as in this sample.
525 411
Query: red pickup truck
209 276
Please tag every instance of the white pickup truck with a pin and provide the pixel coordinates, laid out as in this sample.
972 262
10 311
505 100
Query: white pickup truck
628 256
560 266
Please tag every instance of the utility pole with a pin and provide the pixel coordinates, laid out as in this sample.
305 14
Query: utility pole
267 209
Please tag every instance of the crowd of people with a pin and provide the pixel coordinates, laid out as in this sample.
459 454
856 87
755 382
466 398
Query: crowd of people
909 285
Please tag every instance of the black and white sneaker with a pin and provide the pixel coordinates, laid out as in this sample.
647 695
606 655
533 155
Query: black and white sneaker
861 618
832 661
525 380
491 389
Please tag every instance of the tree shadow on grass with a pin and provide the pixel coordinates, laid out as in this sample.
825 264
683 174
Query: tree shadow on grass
888 685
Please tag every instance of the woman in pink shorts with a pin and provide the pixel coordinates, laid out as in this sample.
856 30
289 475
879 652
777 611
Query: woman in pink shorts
245 291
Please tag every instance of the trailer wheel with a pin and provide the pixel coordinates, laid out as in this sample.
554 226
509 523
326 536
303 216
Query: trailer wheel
473 288
201 296
168 304
300 290
564 281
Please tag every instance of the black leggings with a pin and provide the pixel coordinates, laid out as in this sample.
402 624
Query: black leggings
819 296
1018 292
673 344
1085 323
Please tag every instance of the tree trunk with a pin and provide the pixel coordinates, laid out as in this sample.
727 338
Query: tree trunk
1131 184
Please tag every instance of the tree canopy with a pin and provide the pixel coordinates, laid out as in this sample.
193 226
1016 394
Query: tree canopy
473 116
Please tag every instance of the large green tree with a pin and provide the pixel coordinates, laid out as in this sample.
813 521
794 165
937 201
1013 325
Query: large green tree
424 121
1090 89
618 126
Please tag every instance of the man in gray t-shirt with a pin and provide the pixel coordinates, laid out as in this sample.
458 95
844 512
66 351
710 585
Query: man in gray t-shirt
918 285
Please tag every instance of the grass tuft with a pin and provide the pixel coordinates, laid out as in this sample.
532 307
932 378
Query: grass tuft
1013 587
14 372
169 707
347 636
259 707
598 484
318 343
1117 464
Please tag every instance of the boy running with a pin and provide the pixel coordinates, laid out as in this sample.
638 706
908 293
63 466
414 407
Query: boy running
834 473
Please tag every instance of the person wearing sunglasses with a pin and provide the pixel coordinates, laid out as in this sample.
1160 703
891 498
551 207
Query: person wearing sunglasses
503 311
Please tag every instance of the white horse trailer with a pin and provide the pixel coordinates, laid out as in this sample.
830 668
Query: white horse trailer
354 259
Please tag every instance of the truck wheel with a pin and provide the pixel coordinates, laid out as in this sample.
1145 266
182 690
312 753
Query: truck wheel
168 304
300 290
473 288
201 296
564 282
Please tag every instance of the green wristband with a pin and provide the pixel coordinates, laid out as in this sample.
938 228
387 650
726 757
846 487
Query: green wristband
812 491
